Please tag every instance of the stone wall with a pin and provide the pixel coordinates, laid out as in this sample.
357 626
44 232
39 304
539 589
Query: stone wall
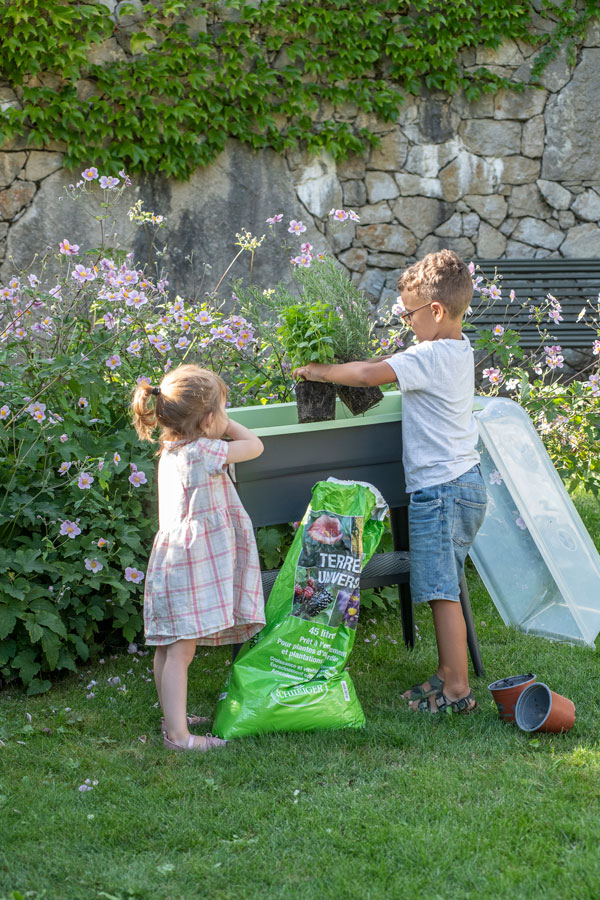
510 175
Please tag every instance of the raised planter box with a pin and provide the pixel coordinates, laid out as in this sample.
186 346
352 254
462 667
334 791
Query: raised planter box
276 487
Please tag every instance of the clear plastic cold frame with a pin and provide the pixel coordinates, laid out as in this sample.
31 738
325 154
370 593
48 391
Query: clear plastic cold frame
533 551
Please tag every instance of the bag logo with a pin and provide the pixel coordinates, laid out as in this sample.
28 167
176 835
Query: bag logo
300 694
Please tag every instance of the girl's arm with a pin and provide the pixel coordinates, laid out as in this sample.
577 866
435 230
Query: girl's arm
244 443
369 373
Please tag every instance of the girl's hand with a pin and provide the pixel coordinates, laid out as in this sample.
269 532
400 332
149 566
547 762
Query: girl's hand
244 444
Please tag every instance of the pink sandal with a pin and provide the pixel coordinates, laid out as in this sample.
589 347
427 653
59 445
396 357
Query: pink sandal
191 720
210 743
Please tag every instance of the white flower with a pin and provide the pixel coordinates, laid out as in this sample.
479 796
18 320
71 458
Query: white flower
133 574
88 785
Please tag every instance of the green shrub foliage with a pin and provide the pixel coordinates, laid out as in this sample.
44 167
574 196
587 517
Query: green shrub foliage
78 490
182 76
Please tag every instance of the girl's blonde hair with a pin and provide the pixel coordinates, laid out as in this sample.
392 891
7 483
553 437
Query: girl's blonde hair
184 398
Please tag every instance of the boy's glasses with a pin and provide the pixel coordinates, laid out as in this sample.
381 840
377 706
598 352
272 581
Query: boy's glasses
407 316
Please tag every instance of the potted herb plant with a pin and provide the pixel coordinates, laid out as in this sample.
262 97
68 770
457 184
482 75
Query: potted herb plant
351 336
306 332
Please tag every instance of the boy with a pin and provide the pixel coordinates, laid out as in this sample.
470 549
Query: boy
447 493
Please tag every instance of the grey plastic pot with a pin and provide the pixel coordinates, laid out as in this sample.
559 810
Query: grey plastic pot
540 709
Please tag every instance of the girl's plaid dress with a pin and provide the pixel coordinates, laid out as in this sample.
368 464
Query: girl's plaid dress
203 578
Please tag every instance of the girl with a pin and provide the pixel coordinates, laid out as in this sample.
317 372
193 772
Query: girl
203 583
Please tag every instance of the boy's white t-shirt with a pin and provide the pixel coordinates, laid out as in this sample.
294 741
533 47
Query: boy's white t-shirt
439 432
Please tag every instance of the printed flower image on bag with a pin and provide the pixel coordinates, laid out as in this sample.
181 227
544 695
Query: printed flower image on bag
292 676
325 529
347 607
329 568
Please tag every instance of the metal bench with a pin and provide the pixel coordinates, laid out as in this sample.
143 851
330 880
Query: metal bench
276 488
570 281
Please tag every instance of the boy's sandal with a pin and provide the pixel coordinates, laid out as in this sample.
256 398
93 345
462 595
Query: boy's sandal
463 705
418 692
191 720
210 743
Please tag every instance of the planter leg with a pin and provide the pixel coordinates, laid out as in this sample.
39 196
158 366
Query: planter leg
399 526
407 614
472 642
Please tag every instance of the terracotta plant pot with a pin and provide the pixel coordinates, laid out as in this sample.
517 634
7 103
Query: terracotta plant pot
316 401
359 399
506 692
540 709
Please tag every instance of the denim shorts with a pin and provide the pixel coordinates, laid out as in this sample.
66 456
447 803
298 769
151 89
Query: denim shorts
443 521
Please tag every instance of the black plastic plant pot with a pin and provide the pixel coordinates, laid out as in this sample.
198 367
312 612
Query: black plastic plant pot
316 401
359 399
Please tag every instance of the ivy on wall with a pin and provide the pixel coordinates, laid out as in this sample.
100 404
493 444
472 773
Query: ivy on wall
183 76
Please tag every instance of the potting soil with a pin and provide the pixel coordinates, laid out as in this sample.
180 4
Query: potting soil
291 676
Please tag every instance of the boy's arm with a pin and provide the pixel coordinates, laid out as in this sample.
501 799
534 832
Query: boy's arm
369 373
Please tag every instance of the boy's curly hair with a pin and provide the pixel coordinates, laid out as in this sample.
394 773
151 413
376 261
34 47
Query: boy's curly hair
441 277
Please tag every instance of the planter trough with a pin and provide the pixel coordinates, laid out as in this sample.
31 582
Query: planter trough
296 456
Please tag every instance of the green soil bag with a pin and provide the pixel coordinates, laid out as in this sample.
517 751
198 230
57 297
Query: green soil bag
290 677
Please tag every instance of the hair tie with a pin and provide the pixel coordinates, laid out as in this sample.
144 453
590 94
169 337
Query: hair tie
156 391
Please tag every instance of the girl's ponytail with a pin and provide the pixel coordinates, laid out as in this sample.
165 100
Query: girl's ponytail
185 397
144 416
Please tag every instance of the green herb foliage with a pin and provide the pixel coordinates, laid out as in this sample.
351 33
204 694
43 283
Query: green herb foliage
183 76
306 332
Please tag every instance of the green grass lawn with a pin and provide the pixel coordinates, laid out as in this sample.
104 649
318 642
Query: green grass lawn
410 807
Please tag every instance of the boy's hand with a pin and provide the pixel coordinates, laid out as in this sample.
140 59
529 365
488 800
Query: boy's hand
309 373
